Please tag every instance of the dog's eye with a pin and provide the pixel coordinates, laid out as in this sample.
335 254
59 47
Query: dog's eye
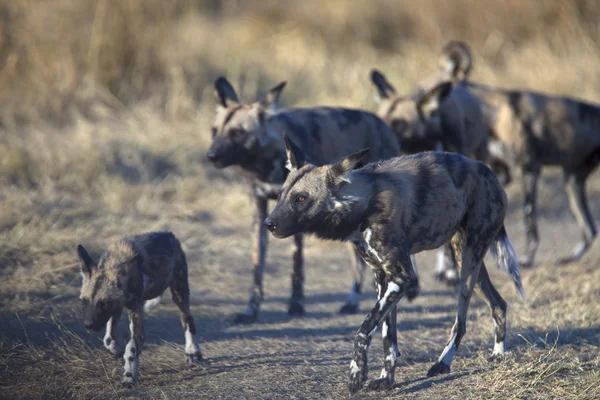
103 305
237 132
300 199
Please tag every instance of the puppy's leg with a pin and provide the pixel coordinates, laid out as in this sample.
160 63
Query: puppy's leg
180 292
134 347
110 337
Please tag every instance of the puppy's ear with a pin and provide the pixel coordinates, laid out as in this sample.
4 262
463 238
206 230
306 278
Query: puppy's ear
86 263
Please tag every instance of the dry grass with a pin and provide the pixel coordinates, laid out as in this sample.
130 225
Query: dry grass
106 106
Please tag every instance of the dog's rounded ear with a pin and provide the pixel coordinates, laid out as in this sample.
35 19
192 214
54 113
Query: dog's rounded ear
456 60
432 99
85 261
385 89
225 93
296 157
339 171
271 99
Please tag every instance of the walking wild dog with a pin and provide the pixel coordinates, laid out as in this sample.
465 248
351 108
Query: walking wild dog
132 271
250 137
438 117
531 130
390 210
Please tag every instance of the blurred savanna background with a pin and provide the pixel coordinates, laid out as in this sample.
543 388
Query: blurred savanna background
105 115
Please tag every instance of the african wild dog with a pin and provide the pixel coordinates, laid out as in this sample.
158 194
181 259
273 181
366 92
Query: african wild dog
392 209
531 130
438 118
250 137
132 271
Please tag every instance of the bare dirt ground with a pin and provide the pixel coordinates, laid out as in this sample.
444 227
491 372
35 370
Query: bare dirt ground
553 337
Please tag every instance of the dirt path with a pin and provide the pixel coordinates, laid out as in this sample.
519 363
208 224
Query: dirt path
553 337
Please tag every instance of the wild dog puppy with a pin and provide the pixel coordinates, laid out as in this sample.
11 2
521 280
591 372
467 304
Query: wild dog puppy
250 138
440 118
390 210
135 270
532 130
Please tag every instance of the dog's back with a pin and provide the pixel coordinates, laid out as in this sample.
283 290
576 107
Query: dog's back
327 134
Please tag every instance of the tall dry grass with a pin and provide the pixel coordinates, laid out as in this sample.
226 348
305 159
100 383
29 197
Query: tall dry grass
106 105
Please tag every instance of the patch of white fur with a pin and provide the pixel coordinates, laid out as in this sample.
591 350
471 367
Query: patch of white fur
449 66
367 236
131 366
496 149
391 288
354 368
112 347
152 303
451 274
440 264
498 349
288 165
384 329
506 259
190 346
392 359
448 354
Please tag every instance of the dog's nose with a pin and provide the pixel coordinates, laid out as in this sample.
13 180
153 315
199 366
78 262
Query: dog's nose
211 155
270 224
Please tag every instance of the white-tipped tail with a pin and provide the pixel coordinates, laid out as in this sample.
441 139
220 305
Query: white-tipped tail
506 259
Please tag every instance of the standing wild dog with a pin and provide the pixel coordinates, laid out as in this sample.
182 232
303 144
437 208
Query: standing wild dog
531 130
250 137
441 116
132 271
390 210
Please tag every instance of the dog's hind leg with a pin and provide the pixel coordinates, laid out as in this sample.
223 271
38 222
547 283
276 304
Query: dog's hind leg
575 185
180 292
530 178
470 247
359 268
497 305
391 353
